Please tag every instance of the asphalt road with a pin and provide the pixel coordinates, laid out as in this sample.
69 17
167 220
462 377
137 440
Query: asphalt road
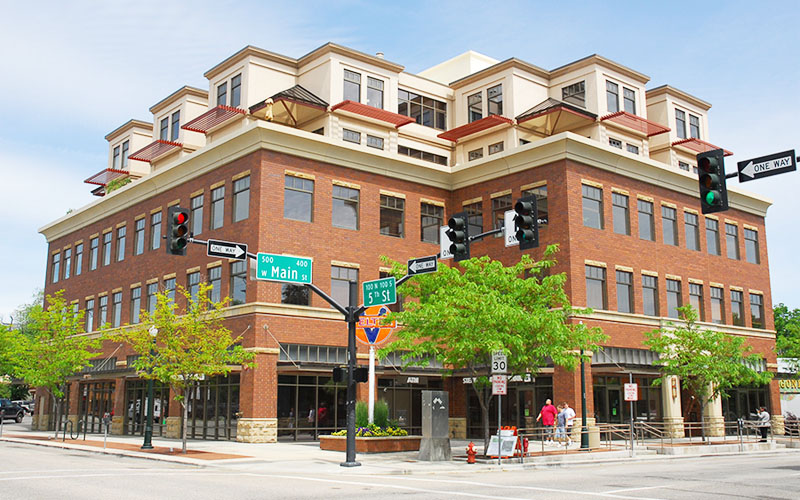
35 472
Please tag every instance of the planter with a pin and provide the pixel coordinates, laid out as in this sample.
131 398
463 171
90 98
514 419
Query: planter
371 444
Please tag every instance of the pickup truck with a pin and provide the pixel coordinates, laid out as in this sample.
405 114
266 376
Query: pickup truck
11 411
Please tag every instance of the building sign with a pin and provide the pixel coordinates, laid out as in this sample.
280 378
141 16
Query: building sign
370 328
789 385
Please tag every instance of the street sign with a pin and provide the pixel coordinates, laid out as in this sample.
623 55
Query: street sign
226 249
283 268
631 392
499 362
371 329
380 292
444 244
765 166
509 234
423 265
499 385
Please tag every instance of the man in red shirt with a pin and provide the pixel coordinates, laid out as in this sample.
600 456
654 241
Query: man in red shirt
548 418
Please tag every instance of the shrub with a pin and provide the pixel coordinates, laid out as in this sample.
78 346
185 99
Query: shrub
362 414
373 430
381 414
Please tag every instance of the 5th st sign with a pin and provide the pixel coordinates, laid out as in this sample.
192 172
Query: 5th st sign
765 166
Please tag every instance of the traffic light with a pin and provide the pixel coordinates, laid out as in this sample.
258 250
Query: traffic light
177 230
459 236
339 374
526 228
361 374
713 191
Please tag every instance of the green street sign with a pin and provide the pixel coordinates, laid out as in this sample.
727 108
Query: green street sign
284 268
380 292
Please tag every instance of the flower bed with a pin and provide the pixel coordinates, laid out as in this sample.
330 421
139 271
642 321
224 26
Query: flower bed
371 444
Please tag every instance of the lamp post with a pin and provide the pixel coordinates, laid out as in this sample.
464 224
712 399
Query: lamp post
148 428
584 427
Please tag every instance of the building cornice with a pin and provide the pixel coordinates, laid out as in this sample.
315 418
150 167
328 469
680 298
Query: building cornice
330 47
247 52
127 126
672 91
177 95
497 68
600 61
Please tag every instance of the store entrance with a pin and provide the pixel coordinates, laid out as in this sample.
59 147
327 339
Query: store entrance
96 399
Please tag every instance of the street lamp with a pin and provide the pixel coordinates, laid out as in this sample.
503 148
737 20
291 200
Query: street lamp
148 428
584 427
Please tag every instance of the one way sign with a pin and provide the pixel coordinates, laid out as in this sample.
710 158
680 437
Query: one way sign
227 249
765 166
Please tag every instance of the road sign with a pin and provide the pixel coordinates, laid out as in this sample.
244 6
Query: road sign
444 244
499 362
499 385
765 166
423 265
631 392
380 292
509 234
283 268
371 329
226 249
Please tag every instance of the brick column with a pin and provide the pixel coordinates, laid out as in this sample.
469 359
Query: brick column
567 387
119 410
671 403
778 424
74 391
458 406
258 398
174 416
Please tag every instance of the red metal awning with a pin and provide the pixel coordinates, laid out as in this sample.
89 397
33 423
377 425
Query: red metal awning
474 127
103 177
374 113
636 123
699 146
154 150
212 118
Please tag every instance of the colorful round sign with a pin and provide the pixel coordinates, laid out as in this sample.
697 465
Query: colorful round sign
370 329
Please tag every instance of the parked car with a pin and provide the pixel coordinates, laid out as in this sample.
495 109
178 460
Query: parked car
11 411
26 405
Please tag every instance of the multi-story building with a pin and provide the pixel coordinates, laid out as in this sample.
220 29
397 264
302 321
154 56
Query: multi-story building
344 157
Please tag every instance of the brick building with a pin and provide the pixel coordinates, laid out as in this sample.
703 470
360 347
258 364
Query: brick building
343 157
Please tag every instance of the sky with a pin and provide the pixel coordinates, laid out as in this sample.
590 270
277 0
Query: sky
71 72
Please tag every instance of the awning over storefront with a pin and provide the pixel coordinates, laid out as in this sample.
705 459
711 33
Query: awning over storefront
487 123
381 115
552 116
155 150
624 356
213 118
699 146
636 123
290 107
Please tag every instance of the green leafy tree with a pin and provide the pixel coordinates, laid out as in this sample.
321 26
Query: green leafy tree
787 329
187 347
709 363
22 316
459 317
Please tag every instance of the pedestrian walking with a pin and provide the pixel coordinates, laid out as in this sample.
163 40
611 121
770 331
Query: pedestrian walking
569 417
548 417
561 425
763 423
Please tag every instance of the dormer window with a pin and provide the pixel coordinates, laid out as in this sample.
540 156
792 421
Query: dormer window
115 159
125 153
694 126
426 111
495 97
475 107
374 92
352 86
222 94
164 127
612 97
680 124
575 94
176 125
629 98
235 93
163 133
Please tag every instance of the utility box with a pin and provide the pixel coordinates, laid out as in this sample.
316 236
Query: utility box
435 443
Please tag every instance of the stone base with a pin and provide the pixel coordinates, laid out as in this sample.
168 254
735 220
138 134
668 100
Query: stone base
673 427
434 450
371 444
714 426
257 430
594 432
117 425
41 422
173 430
458 428
778 425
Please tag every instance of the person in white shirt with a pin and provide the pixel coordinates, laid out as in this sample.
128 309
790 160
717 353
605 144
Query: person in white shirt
569 415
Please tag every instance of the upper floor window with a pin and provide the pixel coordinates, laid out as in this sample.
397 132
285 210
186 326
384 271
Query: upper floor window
750 246
67 262
78 259
614 143
169 288
352 86
241 199
575 94
426 111
495 148
56 268
136 304
694 127
712 236
717 305
215 280
674 300
475 106
345 207
474 217
107 248
422 155
732 240
624 291
431 219
351 136
340 283
540 192
650 295
125 152
500 205
193 280
121 237
612 97
680 124
595 287
374 92
632 148
138 237
629 99
116 309
217 207
103 310
619 212
236 90
222 94
475 154
683 165
669 225
155 231
495 99
176 125
238 282
696 300
374 141
737 307
152 298
197 214
592 206
163 133
647 228
298 198
297 295
89 317
692 231
93 250
757 311
392 216
116 161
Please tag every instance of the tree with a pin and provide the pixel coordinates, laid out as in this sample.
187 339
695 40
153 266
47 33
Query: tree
22 316
187 347
709 363
787 329
460 318
54 348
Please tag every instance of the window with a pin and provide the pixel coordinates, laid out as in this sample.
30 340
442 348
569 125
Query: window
352 86
340 283
495 148
717 305
121 232
107 248
398 305
89 315
176 125
500 205
241 199
351 136
215 280
345 207
523 142
756 311
683 165
193 281
475 107
737 307
624 291
680 124
540 192
169 287
732 241
632 149
163 133
297 295
125 152
56 268
115 161
669 225
138 237
197 214
673 298
374 142
319 131
136 304
103 307
431 219
475 154
750 246
575 94
474 217
619 211
614 143
67 262
217 207
612 97
75 309
595 287
93 243
696 300
422 155
374 92
391 216
646 225
494 97
78 259
222 94
629 98
592 206
116 309
692 231
712 236
155 231
238 282
650 295
426 111
298 198
694 127
152 299
236 90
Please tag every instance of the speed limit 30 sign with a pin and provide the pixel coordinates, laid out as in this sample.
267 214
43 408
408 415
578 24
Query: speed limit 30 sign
499 362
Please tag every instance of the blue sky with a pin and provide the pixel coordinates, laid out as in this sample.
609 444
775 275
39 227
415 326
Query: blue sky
74 71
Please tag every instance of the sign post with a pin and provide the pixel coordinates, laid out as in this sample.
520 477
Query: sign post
371 330
764 166
632 394
499 387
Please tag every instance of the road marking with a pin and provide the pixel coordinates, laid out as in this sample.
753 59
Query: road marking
129 473
640 488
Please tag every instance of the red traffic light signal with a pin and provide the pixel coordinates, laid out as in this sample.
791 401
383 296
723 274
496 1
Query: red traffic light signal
177 230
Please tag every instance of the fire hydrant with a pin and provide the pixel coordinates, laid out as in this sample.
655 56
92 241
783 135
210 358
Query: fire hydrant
471 452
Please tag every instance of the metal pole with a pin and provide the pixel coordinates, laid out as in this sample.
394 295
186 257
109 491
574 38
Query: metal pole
633 453
584 427
371 383
148 428
499 425
352 317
